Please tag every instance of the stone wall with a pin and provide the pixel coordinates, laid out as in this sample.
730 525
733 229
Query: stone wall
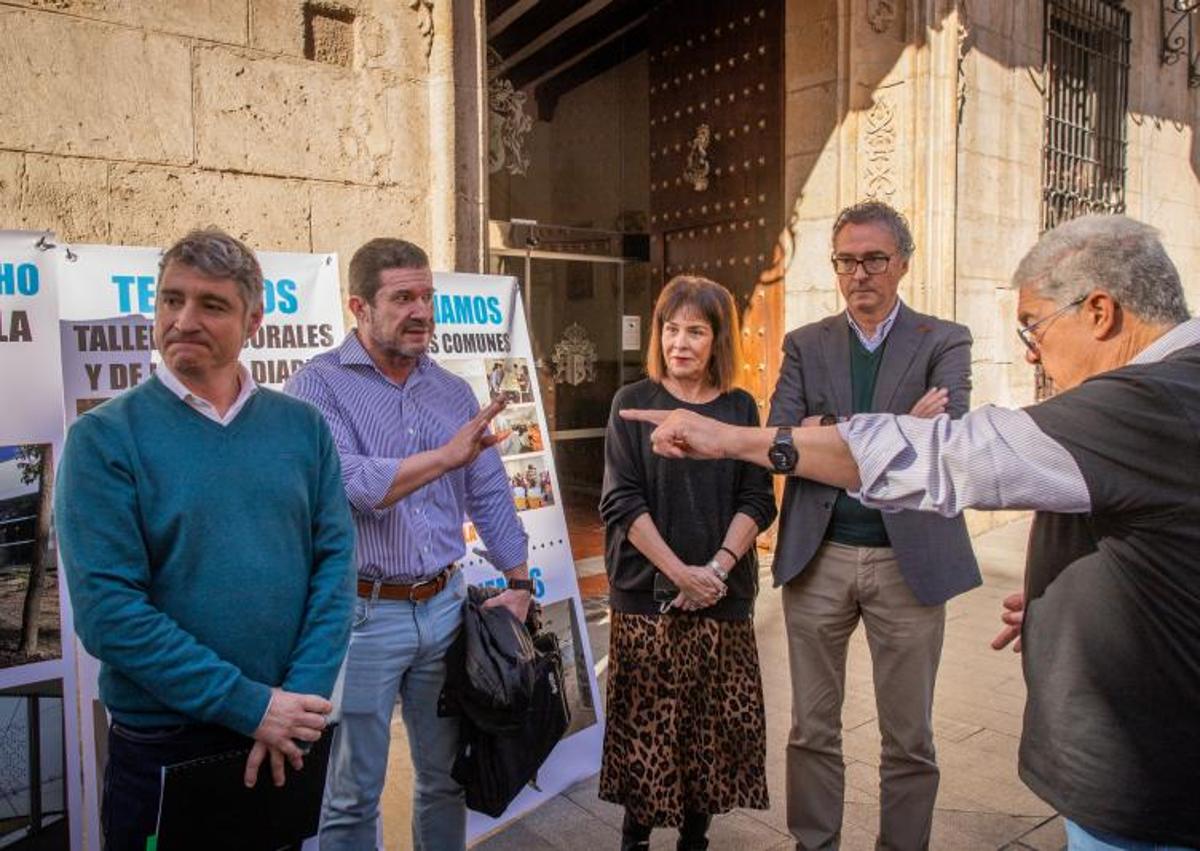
1163 183
296 126
869 114
999 166
999 174
814 110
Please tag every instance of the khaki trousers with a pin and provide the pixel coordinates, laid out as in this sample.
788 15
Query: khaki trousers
821 608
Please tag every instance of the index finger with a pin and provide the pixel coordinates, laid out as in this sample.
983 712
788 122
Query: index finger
644 415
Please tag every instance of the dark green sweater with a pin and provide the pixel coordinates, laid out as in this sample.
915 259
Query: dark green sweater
851 523
206 563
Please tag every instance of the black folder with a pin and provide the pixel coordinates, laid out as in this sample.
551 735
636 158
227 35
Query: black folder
205 803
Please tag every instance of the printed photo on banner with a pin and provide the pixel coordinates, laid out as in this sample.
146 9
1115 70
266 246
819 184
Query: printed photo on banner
30 628
525 433
470 371
33 729
509 378
560 618
532 485
32 777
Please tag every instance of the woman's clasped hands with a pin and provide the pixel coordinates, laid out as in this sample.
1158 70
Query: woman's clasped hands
699 587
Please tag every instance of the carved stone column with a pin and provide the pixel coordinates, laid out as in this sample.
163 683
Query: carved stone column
934 129
457 198
902 130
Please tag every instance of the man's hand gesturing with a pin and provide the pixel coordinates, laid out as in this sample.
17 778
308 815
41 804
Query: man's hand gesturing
474 436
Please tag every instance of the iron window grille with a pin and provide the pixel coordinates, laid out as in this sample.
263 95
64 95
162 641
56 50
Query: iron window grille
1086 93
1085 85
1180 38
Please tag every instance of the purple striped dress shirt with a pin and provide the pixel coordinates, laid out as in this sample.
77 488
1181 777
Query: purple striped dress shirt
377 423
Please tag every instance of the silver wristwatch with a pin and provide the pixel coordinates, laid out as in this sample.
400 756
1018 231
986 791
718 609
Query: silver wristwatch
715 567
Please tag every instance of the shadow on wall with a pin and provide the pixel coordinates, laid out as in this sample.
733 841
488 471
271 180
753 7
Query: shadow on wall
1007 32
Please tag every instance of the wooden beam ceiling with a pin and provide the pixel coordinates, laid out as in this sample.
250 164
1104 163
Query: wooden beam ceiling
553 46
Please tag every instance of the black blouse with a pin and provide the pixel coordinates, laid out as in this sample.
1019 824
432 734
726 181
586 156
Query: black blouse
691 502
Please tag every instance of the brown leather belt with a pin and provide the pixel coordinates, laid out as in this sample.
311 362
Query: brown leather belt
413 593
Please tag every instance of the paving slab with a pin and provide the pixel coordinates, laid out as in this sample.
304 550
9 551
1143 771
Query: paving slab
1049 835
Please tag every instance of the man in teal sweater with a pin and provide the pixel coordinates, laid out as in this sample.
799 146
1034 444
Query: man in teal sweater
208 547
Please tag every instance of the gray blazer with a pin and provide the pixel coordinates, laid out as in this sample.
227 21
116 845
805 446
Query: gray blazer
922 351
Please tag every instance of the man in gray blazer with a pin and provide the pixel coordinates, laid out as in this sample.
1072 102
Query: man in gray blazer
839 562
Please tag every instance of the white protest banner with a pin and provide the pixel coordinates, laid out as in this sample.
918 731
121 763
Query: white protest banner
30 382
37 671
106 310
481 335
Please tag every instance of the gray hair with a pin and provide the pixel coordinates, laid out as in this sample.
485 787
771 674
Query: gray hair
216 254
877 212
379 254
1117 254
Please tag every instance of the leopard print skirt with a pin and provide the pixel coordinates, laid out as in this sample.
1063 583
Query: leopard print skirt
686 729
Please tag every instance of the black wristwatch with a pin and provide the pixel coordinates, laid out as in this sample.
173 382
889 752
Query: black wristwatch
782 454
521 585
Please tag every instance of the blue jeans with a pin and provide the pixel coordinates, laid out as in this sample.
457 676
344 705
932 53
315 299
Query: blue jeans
396 647
1080 838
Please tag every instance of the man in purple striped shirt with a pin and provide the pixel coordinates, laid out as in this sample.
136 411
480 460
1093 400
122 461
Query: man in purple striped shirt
416 461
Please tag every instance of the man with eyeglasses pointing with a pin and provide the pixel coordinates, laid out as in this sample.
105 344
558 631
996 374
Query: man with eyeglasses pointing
1107 623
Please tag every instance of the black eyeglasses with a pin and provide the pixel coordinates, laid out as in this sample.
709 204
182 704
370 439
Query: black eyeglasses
1025 332
875 264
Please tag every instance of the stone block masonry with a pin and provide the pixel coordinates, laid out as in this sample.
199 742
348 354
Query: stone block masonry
297 126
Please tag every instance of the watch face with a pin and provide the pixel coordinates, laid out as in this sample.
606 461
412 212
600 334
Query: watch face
783 457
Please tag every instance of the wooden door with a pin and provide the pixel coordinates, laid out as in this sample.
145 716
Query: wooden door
716 161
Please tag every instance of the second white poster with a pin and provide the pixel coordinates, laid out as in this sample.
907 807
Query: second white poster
482 336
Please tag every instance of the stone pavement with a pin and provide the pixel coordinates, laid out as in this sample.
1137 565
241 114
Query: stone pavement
977 720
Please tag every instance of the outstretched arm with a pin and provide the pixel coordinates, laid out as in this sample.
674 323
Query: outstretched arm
992 458
824 455
376 484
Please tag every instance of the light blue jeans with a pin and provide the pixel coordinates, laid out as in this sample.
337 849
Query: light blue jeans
396 647
1080 838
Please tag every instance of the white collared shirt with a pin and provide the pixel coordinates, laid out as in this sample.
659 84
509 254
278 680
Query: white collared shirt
881 330
203 406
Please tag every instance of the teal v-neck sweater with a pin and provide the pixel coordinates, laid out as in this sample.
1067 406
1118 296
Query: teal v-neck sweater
206 563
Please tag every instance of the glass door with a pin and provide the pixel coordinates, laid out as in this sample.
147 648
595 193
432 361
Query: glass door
585 346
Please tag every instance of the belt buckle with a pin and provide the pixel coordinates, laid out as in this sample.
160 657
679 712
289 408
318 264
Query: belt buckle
412 589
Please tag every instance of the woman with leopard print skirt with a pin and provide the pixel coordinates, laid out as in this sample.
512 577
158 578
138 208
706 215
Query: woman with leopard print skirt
686 731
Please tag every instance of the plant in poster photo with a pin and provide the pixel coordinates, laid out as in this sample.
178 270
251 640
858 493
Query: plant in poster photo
29 625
